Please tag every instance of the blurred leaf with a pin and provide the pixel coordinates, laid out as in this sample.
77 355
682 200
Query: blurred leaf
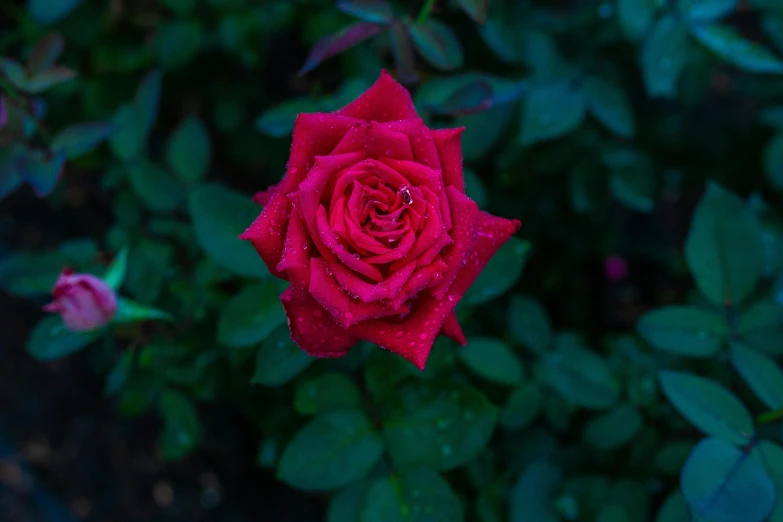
14 71
115 273
521 407
708 406
674 509
375 11
438 424
338 43
219 216
474 187
437 44
528 323
402 49
128 139
532 497
158 189
28 274
579 375
761 374
347 505
483 131
251 315
50 339
41 170
79 139
773 161
732 47
10 175
635 17
147 101
493 360
721 483
131 312
45 53
761 327
327 392
707 10
471 98
279 359
412 496
182 429
632 178
332 450
684 330
772 456
120 373
663 56
177 42
613 429
48 78
723 248
278 121
477 9
610 105
551 111
189 150
384 371
500 274
50 11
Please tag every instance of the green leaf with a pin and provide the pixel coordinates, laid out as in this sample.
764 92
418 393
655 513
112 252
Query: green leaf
707 10
128 139
251 315
437 44
375 11
437 424
338 43
115 273
493 360
28 274
79 139
761 327
634 185
177 42
610 106
613 429
721 483
219 216
708 406
42 170
279 359
551 111
635 17
474 187
729 45
500 274
47 12
156 187
332 450
521 407
412 496
147 101
528 323
49 78
120 373
663 57
532 497
674 509
723 248
182 429
579 375
684 330
278 121
327 392
189 150
132 312
773 161
761 373
50 339
347 505
477 9
45 53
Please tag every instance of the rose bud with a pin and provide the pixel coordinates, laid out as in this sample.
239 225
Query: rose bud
83 301
372 227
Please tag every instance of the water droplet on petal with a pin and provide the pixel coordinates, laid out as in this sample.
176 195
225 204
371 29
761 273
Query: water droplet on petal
412 344
294 170
423 336
356 255
348 315
399 334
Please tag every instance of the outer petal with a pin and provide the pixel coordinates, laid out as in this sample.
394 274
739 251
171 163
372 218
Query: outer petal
294 261
385 101
267 232
314 330
376 141
449 144
422 142
465 215
453 330
369 292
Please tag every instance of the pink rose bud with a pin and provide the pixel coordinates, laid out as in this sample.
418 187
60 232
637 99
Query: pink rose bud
615 268
83 301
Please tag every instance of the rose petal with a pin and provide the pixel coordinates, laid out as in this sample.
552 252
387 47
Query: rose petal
376 142
266 232
465 214
416 173
314 330
328 239
346 312
453 330
372 293
422 142
423 278
294 261
385 101
449 144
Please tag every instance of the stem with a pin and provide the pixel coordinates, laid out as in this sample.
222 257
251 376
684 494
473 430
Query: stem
770 416
425 11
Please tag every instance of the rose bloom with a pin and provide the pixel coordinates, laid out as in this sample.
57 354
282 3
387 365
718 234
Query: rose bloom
83 301
372 227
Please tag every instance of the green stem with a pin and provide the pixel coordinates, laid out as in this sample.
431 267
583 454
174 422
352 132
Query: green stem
770 416
425 11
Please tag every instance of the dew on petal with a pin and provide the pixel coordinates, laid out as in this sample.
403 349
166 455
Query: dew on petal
399 334
294 170
406 195
427 323
300 319
423 336
348 315
412 344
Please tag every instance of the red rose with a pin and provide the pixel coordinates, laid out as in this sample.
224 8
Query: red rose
372 227
83 301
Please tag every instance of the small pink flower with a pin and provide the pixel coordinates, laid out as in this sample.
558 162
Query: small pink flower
83 301
615 268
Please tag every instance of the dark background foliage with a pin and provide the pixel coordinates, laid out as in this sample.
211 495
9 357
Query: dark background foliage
639 311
